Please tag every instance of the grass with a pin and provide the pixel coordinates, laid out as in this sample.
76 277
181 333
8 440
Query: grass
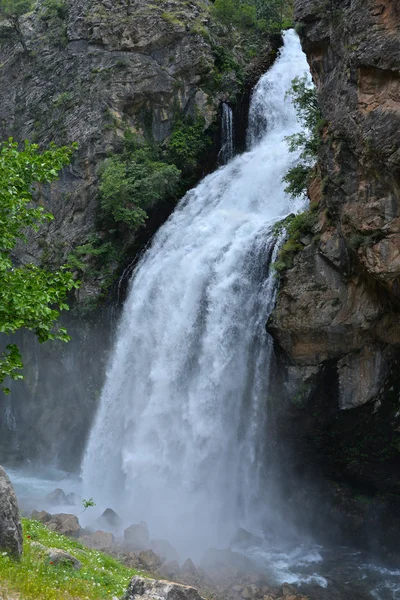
33 578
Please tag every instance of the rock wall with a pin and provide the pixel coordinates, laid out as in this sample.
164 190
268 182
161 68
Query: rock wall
93 70
336 323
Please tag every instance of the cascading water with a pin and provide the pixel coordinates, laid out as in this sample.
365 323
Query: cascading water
179 438
227 146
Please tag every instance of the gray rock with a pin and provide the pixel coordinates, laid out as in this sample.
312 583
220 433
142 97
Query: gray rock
137 536
150 561
64 523
10 523
42 516
188 568
57 497
57 556
170 569
246 538
99 540
151 589
109 520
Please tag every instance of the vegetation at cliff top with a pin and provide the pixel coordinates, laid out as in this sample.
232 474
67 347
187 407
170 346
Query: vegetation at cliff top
264 15
33 576
31 297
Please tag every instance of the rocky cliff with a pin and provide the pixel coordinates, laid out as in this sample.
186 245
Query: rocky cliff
336 323
92 71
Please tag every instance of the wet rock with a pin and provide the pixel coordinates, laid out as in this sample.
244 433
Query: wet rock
57 497
151 589
150 561
137 536
109 520
164 549
247 593
170 569
10 523
42 516
188 568
57 556
64 523
99 540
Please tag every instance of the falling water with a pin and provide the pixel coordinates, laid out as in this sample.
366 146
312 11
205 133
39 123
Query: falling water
179 439
227 148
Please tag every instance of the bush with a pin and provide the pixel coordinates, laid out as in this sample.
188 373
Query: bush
133 182
295 227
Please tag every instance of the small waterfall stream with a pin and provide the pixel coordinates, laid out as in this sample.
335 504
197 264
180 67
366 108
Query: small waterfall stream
179 439
227 146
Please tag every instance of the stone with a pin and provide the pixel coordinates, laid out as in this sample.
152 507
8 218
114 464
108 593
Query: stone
10 522
150 560
288 590
57 497
247 593
73 499
64 523
164 549
137 536
42 516
57 556
170 569
141 588
99 540
132 561
110 520
188 568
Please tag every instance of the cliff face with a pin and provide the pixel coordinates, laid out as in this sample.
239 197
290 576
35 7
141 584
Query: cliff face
336 323
94 70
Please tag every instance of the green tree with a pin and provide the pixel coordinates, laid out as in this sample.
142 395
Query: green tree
13 10
309 140
30 297
135 181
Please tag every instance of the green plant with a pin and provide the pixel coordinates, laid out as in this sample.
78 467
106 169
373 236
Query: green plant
30 297
53 8
308 141
33 576
13 10
134 181
295 227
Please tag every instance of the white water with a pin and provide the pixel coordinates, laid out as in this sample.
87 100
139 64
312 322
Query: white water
179 438
227 147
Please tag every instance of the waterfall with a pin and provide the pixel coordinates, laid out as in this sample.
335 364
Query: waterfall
179 438
227 148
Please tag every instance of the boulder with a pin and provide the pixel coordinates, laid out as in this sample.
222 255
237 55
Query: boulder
164 549
132 561
141 588
57 497
288 590
64 523
137 536
73 499
109 520
99 540
170 569
150 561
188 568
42 516
10 523
57 556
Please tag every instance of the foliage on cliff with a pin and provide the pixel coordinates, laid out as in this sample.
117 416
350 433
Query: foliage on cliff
265 15
30 297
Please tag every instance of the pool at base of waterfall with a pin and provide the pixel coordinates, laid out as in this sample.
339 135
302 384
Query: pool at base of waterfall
322 573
